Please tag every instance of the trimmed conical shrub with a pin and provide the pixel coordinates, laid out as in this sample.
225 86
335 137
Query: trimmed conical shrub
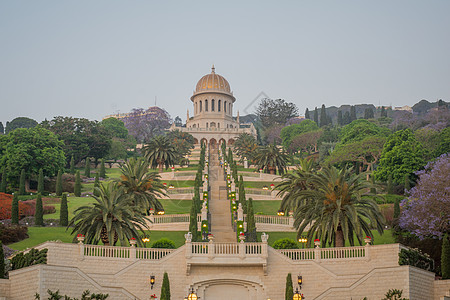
165 288
193 226
77 187
15 210
87 168
72 165
64 212
251 226
39 214
59 188
22 183
242 199
445 257
102 169
3 183
40 187
289 292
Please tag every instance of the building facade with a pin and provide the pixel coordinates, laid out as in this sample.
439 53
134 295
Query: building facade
213 122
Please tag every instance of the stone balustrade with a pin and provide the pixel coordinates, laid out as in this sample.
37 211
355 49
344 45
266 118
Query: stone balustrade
124 252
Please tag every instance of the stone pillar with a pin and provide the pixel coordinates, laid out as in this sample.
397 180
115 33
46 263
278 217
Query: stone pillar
133 250
204 212
264 239
233 186
173 172
245 163
291 219
211 248
242 249
188 237
260 173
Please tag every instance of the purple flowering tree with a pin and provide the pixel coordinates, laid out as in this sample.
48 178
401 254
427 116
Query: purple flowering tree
427 210
146 124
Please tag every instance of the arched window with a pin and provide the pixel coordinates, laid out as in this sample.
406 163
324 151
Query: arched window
225 106
206 124
218 106
200 105
212 104
218 125
195 108
229 110
194 126
212 125
206 105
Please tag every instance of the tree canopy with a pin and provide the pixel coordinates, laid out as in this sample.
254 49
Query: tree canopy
289 132
271 112
20 122
31 149
115 127
145 124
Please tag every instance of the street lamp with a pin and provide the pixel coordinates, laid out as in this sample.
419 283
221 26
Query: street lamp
152 281
192 295
303 240
297 295
299 281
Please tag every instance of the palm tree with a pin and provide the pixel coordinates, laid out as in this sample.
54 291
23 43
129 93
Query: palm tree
110 218
160 152
143 187
294 183
270 158
337 206
245 146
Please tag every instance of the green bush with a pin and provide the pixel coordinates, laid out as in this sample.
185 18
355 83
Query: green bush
102 169
289 292
3 183
85 296
285 244
33 257
165 288
164 244
414 257
394 295
13 234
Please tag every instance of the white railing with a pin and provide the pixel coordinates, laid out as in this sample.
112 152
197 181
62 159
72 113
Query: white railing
152 253
253 248
267 219
199 248
343 252
299 254
326 253
125 252
174 218
186 173
226 248
180 191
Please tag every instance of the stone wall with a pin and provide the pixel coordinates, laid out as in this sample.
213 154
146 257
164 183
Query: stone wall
342 277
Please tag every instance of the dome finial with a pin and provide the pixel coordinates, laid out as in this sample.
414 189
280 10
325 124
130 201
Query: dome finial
213 69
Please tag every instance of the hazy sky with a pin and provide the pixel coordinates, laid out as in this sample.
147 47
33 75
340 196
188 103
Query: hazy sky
93 58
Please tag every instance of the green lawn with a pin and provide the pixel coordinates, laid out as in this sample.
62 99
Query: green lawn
257 184
173 206
180 183
39 235
266 207
73 203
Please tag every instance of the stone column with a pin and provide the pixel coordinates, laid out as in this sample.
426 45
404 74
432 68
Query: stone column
240 213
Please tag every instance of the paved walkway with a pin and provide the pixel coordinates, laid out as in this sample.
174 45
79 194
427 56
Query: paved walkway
219 206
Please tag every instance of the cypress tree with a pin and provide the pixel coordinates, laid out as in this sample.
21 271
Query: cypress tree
339 118
396 209
165 288
289 292
445 257
102 168
64 213
40 187
15 210
323 116
72 165
307 116
383 113
2 261
77 188
390 185
3 183
193 226
251 226
87 168
22 183
2 128
39 214
59 188
353 113
316 116
96 185
242 198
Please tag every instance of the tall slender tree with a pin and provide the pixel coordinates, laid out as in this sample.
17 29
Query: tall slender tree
289 292
323 116
3 183
77 188
193 226
251 226
165 288
59 187
316 116
40 187
39 213
72 165
22 190
102 168
307 116
340 120
87 168
96 185
242 198
15 210
64 211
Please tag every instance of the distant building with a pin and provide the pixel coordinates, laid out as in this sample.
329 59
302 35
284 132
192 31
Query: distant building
213 122
405 108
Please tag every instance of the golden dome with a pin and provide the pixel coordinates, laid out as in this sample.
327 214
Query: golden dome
213 83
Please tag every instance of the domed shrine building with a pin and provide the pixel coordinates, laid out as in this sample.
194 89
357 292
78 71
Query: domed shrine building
213 122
